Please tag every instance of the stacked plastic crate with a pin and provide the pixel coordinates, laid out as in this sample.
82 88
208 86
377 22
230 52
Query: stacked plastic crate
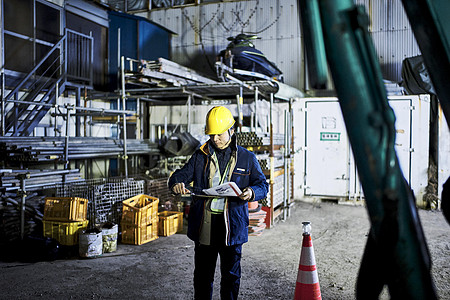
139 220
105 197
170 222
64 218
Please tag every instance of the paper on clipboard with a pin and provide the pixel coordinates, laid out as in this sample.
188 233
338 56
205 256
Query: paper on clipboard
224 190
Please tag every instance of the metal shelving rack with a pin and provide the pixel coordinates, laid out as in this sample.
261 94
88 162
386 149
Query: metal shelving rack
274 211
235 91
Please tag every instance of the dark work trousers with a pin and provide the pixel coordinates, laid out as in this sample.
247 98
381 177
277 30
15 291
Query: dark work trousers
205 265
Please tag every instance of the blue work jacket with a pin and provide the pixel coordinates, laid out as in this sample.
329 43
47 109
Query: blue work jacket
246 173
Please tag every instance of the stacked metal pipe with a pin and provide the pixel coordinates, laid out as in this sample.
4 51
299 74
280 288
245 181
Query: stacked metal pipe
10 180
247 139
264 160
278 193
52 149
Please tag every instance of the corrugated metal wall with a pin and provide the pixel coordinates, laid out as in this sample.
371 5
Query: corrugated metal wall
1 44
203 29
392 35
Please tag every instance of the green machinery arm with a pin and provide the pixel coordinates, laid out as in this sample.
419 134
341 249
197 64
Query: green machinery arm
431 28
396 254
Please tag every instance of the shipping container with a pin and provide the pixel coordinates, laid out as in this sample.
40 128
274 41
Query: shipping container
324 165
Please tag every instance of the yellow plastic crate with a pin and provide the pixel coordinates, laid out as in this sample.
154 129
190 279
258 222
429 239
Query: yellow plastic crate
65 209
138 235
140 210
170 222
66 233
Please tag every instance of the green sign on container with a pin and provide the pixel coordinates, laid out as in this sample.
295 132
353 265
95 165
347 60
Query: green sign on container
330 136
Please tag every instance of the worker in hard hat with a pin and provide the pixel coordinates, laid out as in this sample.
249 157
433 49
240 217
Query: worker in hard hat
218 226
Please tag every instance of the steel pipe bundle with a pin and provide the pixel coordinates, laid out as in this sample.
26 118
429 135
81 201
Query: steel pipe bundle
52 149
258 139
264 160
278 193
10 180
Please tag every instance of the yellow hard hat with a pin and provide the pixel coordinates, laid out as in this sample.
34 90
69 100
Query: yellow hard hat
218 120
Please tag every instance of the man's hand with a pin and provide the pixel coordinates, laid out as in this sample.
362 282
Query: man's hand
179 188
247 194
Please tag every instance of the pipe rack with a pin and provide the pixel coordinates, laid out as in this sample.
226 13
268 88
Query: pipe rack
25 181
48 149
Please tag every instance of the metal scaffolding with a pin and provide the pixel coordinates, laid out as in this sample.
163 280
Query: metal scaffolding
136 86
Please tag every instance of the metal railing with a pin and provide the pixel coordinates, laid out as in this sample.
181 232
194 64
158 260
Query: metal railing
80 56
69 59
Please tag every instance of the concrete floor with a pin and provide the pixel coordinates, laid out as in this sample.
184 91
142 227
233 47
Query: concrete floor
162 269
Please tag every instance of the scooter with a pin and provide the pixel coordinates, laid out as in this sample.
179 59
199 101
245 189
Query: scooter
243 61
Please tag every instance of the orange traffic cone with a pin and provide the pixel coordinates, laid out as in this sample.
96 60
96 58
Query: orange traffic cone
307 286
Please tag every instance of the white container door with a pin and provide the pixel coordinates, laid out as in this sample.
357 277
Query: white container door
444 152
411 143
327 150
402 110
